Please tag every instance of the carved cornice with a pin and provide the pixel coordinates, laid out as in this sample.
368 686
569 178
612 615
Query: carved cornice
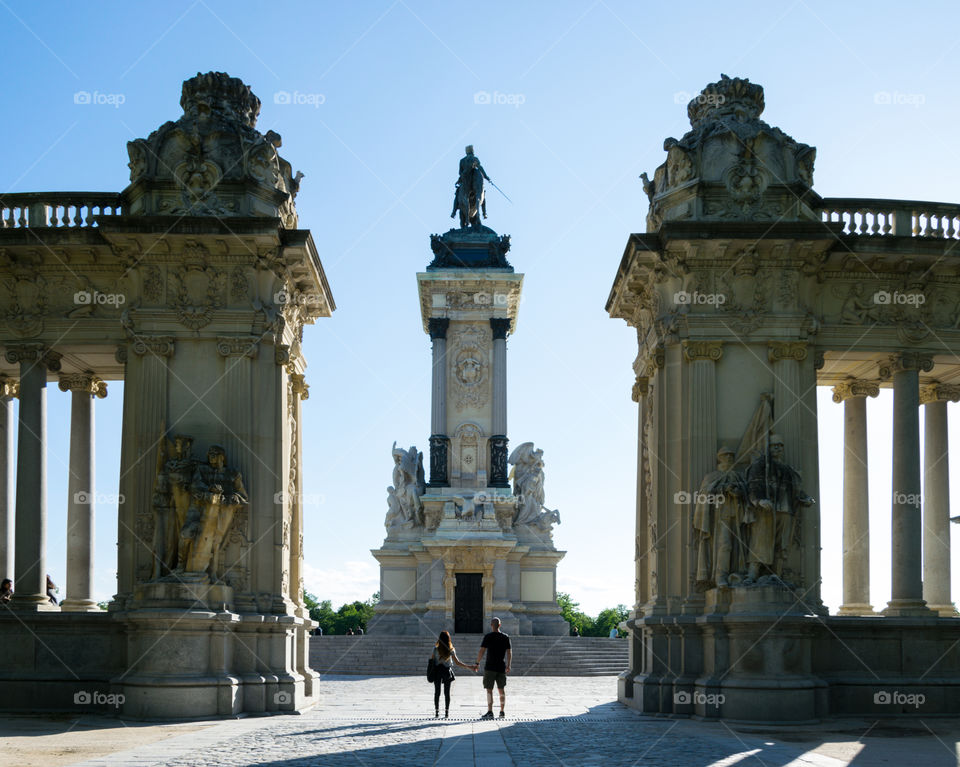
299 386
242 346
903 361
702 350
938 392
9 388
855 387
641 388
501 326
37 353
438 327
159 346
786 350
87 383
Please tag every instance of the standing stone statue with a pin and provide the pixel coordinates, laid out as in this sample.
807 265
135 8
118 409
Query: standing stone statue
171 500
469 198
408 486
216 493
775 499
718 521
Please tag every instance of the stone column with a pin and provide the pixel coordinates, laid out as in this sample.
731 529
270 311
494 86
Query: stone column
906 565
439 441
785 358
936 498
498 428
81 491
641 388
8 390
701 356
856 503
30 586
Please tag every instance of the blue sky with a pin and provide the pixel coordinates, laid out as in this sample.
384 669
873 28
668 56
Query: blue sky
385 96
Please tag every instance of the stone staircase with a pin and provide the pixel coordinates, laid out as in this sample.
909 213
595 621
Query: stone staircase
407 655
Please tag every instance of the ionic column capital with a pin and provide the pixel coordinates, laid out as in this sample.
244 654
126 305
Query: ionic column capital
903 361
855 387
787 350
694 350
501 326
438 327
641 387
158 346
20 353
238 346
938 392
87 383
299 386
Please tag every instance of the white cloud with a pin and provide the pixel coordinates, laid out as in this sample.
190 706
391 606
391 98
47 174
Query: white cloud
355 580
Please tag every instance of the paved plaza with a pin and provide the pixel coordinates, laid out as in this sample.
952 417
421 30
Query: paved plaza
550 721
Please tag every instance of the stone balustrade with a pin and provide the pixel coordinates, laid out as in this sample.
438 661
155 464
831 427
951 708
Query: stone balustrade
900 218
31 210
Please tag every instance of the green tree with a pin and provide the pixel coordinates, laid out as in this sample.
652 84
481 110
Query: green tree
571 613
352 615
608 619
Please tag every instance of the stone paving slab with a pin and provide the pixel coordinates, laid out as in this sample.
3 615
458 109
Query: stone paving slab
381 722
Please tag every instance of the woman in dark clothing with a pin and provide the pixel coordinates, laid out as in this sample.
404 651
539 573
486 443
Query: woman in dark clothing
444 657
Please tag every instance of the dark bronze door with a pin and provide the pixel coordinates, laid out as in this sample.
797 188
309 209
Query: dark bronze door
468 604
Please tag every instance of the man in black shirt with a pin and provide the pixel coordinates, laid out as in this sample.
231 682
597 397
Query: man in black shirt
497 646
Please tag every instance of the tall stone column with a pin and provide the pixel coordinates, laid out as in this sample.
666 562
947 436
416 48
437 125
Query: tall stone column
498 428
81 491
853 394
8 390
936 498
641 586
439 441
701 356
907 527
30 587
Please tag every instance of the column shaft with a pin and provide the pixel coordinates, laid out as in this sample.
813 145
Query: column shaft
7 527
498 422
30 586
438 410
936 510
856 510
80 505
906 525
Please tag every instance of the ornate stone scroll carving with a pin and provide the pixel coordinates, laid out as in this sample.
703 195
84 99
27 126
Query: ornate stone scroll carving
299 386
159 346
641 388
702 350
787 350
238 346
83 382
938 392
902 361
37 353
855 387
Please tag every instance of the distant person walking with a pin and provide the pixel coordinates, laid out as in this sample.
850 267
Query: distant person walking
444 657
614 633
496 645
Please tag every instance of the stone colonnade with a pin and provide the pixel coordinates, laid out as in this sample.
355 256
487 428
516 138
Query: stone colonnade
23 521
920 551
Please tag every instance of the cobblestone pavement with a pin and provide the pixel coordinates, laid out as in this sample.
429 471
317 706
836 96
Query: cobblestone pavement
381 721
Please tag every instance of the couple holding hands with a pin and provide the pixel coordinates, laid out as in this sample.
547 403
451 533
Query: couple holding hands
496 645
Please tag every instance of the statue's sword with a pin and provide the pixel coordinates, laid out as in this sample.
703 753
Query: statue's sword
501 191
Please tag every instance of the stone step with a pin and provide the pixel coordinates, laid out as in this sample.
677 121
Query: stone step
380 655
